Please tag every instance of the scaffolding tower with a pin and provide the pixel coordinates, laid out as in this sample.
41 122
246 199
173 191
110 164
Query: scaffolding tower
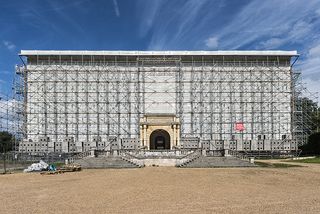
85 98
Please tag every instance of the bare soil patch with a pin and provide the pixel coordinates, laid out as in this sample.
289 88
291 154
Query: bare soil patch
165 190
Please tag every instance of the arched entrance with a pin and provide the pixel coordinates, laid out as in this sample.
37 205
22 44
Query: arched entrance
159 139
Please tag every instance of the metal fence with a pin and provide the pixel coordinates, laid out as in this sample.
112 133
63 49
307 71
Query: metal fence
13 161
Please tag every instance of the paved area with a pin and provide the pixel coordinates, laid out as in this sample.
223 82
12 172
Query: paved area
165 190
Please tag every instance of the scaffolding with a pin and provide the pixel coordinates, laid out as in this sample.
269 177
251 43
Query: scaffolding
84 99
9 121
305 108
6 113
11 112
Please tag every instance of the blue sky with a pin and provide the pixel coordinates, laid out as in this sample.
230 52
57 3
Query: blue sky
161 25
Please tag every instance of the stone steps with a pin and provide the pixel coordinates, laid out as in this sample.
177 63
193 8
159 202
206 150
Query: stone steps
105 162
196 162
216 162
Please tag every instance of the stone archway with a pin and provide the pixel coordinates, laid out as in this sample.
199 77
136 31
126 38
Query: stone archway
159 139
165 125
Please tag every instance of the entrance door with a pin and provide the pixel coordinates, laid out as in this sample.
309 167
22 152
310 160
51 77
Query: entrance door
160 142
159 139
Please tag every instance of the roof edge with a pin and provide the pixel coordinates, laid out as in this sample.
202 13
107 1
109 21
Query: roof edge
167 53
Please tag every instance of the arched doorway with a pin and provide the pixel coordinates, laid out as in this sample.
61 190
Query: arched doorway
159 139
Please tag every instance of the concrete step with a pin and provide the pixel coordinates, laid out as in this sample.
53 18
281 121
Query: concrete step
105 162
212 162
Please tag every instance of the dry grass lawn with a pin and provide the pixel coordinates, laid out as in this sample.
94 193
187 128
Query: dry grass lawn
165 190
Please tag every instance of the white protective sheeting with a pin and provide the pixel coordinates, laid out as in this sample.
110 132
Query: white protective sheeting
35 167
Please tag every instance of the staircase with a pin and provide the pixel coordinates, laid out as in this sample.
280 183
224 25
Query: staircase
215 162
114 162
191 157
138 159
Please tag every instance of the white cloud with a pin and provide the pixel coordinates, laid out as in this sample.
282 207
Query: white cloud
311 65
314 51
300 30
148 11
212 42
290 20
312 86
9 45
116 8
272 43
5 72
310 68
275 23
172 24
57 8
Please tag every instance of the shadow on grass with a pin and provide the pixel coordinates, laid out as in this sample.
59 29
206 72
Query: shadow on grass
275 165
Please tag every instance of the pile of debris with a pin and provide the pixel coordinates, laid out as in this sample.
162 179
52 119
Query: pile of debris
71 167
47 169
37 167
63 169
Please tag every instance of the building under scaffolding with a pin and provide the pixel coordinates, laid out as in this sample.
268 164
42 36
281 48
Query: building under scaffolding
75 101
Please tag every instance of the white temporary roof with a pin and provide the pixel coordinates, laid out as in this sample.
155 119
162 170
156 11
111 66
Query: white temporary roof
157 53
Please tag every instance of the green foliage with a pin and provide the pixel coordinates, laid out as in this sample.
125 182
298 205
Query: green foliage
310 114
313 145
309 160
262 164
6 141
283 165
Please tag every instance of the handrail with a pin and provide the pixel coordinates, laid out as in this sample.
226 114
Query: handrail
265 153
112 140
190 157
238 155
142 154
79 156
128 157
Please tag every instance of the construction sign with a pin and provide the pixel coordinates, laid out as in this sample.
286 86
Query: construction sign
239 126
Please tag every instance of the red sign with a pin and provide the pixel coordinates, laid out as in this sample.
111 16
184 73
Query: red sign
239 126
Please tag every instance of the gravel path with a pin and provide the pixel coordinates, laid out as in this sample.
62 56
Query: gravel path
164 190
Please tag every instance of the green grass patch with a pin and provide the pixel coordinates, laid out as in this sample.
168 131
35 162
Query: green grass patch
309 160
275 165
283 165
262 164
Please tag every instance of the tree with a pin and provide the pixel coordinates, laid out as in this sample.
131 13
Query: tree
313 145
6 141
310 113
